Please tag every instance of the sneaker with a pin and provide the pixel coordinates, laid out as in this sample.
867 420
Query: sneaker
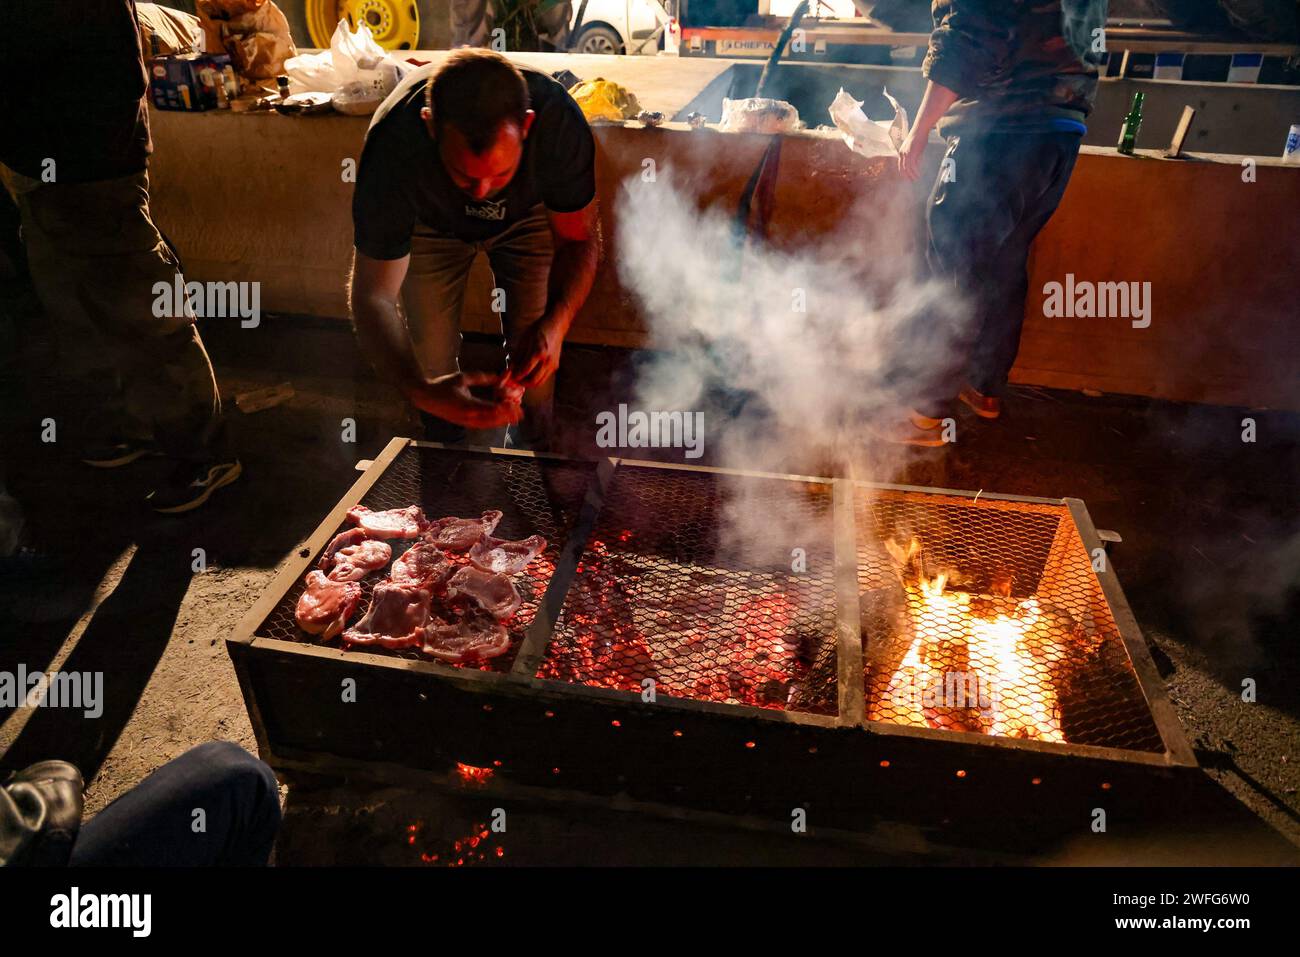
985 406
191 485
912 431
113 453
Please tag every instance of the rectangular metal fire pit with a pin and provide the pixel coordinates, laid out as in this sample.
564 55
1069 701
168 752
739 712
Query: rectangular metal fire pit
742 643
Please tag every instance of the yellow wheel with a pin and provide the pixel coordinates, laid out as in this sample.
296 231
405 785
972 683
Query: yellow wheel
395 24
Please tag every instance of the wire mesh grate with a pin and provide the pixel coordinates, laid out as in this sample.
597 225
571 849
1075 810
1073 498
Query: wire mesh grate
986 616
716 587
537 496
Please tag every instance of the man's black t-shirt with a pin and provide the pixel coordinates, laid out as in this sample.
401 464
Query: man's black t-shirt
402 182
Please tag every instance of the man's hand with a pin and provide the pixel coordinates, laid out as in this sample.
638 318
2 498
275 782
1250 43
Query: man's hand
911 153
535 355
448 397
934 103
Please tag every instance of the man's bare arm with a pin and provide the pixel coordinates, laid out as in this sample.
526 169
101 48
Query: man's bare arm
577 253
536 356
373 293
934 104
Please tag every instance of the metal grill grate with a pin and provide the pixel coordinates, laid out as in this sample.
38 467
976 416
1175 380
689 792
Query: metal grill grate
538 496
986 616
746 617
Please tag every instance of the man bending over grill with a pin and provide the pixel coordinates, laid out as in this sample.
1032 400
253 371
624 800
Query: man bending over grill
1010 85
475 155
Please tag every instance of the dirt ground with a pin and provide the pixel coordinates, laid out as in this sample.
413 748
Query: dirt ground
1210 562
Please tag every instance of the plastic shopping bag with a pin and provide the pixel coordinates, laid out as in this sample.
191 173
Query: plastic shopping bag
869 137
351 58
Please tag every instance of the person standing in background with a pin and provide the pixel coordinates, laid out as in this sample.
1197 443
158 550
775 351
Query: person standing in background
471 22
75 156
1009 86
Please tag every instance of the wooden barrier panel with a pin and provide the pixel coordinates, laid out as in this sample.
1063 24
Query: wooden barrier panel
1218 241
267 198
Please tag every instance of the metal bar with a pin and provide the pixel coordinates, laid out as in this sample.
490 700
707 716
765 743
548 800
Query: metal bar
828 480
962 493
717 470
533 648
848 616
463 677
492 449
1153 688
887 729
240 653
719 708
516 684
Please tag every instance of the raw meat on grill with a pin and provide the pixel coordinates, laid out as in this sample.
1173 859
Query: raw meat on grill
495 594
476 637
353 536
423 565
505 558
393 523
460 534
354 562
326 606
396 618
508 390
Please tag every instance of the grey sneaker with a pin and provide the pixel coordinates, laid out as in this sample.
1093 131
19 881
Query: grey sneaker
190 485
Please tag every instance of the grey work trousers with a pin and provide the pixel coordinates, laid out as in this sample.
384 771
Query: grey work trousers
433 300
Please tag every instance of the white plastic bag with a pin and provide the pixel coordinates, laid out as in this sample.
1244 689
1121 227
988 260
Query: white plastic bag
351 57
353 52
360 97
759 115
869 137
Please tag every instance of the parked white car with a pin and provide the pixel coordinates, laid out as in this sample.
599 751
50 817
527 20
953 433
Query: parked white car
619 26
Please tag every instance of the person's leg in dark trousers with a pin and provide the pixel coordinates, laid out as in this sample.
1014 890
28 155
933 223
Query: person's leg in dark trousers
433 298
95 258
981 221
521 267
995 348
471 23
158 823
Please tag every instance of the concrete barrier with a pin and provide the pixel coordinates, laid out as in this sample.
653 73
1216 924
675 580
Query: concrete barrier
265 197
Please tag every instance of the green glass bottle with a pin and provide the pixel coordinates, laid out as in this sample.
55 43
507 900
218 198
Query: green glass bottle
1132 123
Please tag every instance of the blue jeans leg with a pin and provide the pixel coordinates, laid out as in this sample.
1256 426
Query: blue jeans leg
214 805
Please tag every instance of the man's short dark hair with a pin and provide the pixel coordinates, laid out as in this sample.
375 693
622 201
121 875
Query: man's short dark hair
476 91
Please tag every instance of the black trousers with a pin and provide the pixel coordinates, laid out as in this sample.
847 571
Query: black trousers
214 805
994 193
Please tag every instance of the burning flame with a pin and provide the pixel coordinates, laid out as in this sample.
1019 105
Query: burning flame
971 663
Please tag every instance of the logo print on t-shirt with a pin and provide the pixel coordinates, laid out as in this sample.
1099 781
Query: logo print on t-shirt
489 210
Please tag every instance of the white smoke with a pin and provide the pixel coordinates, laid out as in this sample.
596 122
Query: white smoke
815 347
797 357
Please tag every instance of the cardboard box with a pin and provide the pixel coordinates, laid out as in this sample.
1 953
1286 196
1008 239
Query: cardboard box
187 82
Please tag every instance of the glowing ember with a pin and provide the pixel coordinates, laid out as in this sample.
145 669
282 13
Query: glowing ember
473 848
474 776
734 638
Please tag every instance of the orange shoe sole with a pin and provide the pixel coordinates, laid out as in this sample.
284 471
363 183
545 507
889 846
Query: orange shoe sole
985 406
